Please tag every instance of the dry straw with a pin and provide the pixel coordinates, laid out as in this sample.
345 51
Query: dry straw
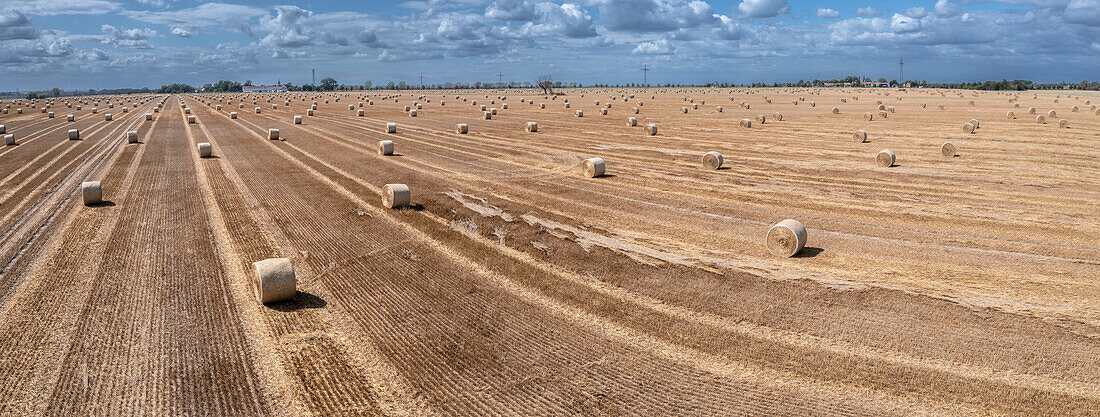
948 150
594 167
205 150
385 147
274 280
396 196
712 160
786 238
885 158
91 192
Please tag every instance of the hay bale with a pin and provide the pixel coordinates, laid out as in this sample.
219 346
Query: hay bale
49 115
493 111
836 110
132 137
885 158
580 113
462 128
297 120
684 109
257 110
233 115
273 134
712 160
1063 123
542 105
274 280
891 109
948 150
396 196
940 107
786 238
881 106
860 136
1040 119
882 114
385 147
976 123
108 117
746 123
868 116
631 121
70 118
205 150
1052 114
532 127
360 113
391 127
412 113
594 167
777 116
651 129
309 112
924 105
1031 110
718 108
1073 109
760 119
1010 114
489 115
968 127
9 139
74 134
91 192
191 119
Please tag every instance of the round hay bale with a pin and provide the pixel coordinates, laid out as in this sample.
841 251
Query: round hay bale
1063 123
108 117
882 107
49 115
186 111
132 137
882 114
360 113
836 110
968 128
385 147
412 113
257 110
273 134
91 192
940 107
651 129
489 115
1052 114
1031 110
233 115
9 139
567 105
631 121
542 105
786 238
191 119
1010 114
976 123
868 116
1073 109
891 109
391 127
712 160
205 150
309 112
532 127
885 158
684 110
580 113
74 134
777 116
396 196
760 119
860 136
70 118
594 167
493 111
274 280
948 150
746 123
462 128
1040 119
297 120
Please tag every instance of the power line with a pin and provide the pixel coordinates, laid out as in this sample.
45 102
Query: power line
500 78
645 75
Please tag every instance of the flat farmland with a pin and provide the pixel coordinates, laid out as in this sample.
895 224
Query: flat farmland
514 284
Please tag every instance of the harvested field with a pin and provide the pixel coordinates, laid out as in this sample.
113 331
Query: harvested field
954 282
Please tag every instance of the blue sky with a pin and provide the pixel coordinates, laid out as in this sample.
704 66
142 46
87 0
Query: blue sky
110 43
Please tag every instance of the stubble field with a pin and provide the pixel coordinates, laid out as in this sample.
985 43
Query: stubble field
515 285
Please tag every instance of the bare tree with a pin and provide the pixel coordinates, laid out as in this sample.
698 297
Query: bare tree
546 83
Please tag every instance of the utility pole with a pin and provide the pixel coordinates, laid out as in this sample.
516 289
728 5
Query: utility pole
422 81
901 71
314 77
645 75
500 77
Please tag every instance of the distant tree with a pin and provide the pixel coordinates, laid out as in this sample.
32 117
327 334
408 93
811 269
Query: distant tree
546 83
56 92
367 85
329 84
248 83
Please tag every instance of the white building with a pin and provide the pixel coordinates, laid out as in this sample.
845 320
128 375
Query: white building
264 88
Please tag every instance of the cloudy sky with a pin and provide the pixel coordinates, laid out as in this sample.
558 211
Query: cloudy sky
115 43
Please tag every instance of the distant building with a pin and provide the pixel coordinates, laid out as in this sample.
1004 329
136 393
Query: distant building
264 88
